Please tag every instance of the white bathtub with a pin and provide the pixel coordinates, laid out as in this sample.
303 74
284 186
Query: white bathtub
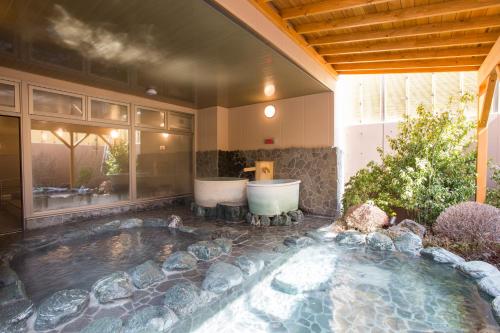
273 197
208 192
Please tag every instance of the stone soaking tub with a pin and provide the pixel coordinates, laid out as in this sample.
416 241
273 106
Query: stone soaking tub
273 197
208 192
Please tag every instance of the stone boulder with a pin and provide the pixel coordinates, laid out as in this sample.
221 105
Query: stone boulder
115 286
7 276
180 261
408 242
490 285
296 215
495 307
298 241
249 265
146 274
106 227
15 312
155 222
321 236
174 221
265 221
221 277
238 236
441 256
351 237
366 218
60 308
225 244
477 269
231 211
414 227
281 220
205 250
131 223
157 319
104 325
12 293
379 242
183 298
396 230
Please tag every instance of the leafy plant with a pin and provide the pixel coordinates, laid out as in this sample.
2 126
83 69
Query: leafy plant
430 166
84 177
493 194
117 159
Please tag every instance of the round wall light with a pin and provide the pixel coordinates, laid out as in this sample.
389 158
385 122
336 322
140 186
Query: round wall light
270 111
269 90
151 91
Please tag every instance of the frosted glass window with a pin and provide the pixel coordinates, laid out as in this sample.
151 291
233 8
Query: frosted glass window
57 104
7 95
180 122
395 96
77 165
446 86
419 91
164 164
352 99
150 118
108 111
371 98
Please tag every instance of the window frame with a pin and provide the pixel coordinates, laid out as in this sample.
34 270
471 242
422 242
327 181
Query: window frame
183 115
17 100
107 121
140 125
31 108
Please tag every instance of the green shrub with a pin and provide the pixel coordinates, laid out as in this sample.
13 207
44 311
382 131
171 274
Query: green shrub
430 166
117 161
493 194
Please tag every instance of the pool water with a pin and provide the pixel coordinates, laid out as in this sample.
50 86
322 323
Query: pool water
328 288
80 263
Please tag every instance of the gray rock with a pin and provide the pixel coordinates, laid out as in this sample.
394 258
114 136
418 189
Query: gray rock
199 211
104 325
106 227
15 312
441 255
225 244
414 227
490 285
155 222
146 274
151 319
174 221
230 211
7 276
60 308
14 328
187 229
281 248
477 269
281 220
249 265
298 241
205 250
183 298
351 237
221 277
265 221
379 242
408 242
296 215
180 261
115 286
252 219
321 236
12 293
131 223
238 236
495 307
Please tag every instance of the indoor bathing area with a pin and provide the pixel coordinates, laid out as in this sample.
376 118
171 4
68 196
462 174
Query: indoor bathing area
250 166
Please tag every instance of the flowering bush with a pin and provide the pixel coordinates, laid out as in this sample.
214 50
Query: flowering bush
493 194
472 229
430 166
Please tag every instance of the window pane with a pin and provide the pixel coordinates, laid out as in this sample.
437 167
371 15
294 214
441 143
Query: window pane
446 86
470 86
150 117
76 165
57 104
164 164
7 95
371 98
351 98
180 122
108 111
419 91
395 96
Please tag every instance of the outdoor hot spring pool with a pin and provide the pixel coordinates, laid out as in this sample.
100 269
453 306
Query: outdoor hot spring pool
328 288
80 263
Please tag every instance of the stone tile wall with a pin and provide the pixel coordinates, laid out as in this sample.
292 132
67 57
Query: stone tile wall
206 163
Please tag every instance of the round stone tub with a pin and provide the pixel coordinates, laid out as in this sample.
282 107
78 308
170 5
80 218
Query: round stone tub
208 192
273 197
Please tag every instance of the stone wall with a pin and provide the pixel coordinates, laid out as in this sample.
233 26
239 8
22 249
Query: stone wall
207 163
319 169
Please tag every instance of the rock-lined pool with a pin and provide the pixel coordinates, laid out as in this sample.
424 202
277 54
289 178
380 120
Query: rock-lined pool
79 263
329 288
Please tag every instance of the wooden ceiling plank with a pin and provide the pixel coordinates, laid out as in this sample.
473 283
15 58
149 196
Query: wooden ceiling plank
409 55
412 70
414 43
325 6
410 13
451 62
419 30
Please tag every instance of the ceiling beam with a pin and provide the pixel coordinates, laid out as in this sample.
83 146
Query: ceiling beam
452 62
410 13
412 43
326 6
412 70
419 30
490 63
409 55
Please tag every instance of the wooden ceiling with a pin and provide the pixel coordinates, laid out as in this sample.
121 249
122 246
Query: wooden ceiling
396 36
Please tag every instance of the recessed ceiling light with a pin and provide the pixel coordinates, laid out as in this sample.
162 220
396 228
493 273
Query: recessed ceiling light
270 111
269 90
151 91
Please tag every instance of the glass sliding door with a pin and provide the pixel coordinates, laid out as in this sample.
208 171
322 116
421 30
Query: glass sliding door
11 216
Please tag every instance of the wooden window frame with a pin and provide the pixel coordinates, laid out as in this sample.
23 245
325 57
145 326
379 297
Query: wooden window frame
107 121
31 108
17 100
139 125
